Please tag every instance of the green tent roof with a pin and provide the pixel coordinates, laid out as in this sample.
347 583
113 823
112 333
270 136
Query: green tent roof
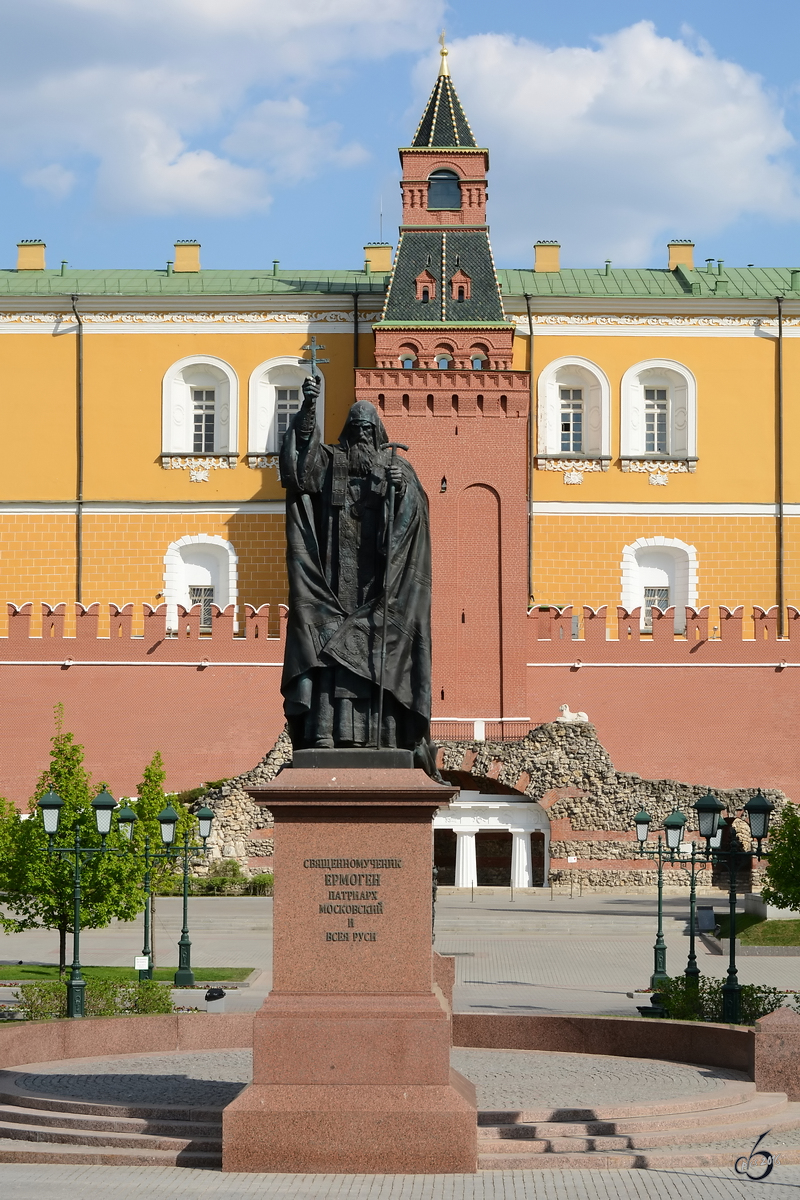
443 124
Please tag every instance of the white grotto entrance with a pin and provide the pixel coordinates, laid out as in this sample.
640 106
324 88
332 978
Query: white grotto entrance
489 840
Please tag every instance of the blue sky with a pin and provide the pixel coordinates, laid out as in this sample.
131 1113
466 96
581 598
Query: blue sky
269 129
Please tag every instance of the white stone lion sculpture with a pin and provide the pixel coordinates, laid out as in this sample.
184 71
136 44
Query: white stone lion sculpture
569 718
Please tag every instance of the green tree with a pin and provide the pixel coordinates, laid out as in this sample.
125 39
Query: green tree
782 887
152 800
36 887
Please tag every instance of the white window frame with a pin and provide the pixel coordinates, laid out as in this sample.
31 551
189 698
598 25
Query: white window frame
262 426
572 372
177 405
576 406
681 411
176 585
684 591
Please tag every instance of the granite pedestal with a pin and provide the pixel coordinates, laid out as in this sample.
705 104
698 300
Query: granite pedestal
351 1049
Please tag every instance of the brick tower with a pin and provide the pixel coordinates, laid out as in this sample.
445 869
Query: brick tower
445 387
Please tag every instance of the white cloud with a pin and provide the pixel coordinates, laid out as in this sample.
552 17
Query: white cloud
277 133
162 101
150 170
53 179
613 149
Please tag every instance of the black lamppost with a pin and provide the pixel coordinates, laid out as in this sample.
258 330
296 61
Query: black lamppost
168 819
709 816
694 864
673 828
103 805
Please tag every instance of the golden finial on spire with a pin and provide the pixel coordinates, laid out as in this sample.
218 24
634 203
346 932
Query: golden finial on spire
443 67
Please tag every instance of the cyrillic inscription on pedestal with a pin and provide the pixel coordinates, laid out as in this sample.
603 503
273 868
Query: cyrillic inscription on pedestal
360 909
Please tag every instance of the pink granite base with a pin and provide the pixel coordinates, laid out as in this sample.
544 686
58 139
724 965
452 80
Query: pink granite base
351 1049
777 1053
352 1129
350 1040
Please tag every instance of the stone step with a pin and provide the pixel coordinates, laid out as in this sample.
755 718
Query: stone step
556 1140
14 1131
54 1152
762 1105
696 1156
68 1120
147 1112
733 1092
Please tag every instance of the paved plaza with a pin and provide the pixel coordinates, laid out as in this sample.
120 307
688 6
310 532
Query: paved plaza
181 1183
527 955
531 954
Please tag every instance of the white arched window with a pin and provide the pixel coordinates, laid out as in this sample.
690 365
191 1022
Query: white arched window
659 572
658 417
199 569
276 393
574 410
200 405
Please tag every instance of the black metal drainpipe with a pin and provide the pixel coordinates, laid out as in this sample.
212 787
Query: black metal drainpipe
531 409
781 590
355 330
79 482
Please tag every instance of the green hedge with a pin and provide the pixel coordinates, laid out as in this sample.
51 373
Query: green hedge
684 1002
103 998
223 879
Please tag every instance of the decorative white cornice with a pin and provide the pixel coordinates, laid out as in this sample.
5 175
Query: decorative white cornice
198 465
644 324
64 322
571 464
261 461
655 466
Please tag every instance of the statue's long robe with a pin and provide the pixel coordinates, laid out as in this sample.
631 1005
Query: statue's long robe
320 629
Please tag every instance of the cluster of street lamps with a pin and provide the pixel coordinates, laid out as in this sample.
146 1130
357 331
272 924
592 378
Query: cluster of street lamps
711 825
104 805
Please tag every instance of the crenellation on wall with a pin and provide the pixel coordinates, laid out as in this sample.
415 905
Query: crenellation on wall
259 637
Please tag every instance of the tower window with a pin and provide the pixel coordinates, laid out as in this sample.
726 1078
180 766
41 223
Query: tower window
425 285
656 400
571 420
203 402
443 190
407 362
460 286
287 403
443 362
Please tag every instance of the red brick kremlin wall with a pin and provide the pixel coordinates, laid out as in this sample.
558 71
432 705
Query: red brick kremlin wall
718 712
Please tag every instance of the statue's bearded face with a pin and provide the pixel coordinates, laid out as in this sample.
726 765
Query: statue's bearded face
361 447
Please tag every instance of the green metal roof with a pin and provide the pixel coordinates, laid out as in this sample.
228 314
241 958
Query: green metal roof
749 283
210 283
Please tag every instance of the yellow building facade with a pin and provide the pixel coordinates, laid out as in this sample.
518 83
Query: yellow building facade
142 416
683 472
113 467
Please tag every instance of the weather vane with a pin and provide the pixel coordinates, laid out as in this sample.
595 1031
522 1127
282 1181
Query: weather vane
443 69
